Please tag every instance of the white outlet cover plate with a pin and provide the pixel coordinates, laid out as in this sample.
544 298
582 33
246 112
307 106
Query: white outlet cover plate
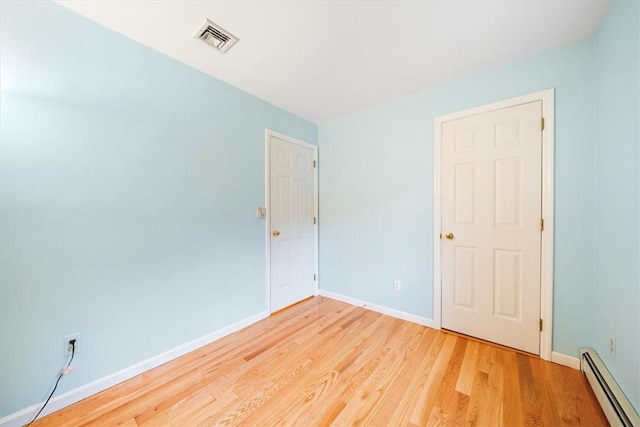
65 344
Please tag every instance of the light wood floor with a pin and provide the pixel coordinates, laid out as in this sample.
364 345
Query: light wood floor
323 362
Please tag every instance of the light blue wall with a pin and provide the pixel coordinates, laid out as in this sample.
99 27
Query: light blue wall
376 189
129 186
617 208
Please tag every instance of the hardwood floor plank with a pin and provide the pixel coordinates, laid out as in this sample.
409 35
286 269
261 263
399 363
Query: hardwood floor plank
446 404
491 409
468 369
188 411
366 400
428 393
511 405
309 363
394 407
352 372
322 362
544 394
333 362
478 391
462 406
414 382
294 350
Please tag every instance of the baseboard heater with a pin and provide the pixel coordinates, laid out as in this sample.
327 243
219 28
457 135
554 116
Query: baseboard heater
614 403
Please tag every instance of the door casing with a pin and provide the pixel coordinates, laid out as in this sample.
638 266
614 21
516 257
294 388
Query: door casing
546 261
267 229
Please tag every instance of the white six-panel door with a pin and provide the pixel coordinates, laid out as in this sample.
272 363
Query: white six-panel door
491 237
291 221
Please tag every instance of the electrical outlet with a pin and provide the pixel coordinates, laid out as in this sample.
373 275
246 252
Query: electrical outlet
66 344
261 212
397 285
612 345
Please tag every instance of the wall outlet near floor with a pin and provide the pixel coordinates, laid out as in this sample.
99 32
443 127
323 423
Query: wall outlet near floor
397 285
612 345
66 344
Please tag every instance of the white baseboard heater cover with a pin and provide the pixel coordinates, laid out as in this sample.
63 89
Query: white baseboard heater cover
614 403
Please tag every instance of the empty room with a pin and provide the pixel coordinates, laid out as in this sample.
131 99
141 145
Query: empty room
319 212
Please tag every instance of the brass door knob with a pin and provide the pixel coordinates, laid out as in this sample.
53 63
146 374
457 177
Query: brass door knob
276 233
449 236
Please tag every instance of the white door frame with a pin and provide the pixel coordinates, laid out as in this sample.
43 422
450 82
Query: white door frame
546 262
268 134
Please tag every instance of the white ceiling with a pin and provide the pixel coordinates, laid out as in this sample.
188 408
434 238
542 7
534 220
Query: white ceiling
323 59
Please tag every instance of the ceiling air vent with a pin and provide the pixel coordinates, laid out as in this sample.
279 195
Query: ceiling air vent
216 36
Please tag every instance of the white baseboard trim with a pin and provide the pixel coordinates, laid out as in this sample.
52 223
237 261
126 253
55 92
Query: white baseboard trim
563 359
380 309
22 417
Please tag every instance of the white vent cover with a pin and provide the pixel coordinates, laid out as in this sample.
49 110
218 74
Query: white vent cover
216 36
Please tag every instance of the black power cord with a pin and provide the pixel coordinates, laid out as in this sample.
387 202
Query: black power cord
62 373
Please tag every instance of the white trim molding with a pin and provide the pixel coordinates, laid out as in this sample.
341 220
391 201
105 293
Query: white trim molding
546 266
22 417
379 309
563 359
267 198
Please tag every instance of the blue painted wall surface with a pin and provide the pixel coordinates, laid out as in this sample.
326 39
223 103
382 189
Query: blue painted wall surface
617 208
376 180
129 186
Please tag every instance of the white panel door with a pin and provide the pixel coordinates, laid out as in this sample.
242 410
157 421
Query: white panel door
291 217
491 236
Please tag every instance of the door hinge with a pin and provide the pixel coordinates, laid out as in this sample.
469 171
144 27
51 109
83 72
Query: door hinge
314 277
540 325
314 163
314 219
541 224
542 123
440 236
